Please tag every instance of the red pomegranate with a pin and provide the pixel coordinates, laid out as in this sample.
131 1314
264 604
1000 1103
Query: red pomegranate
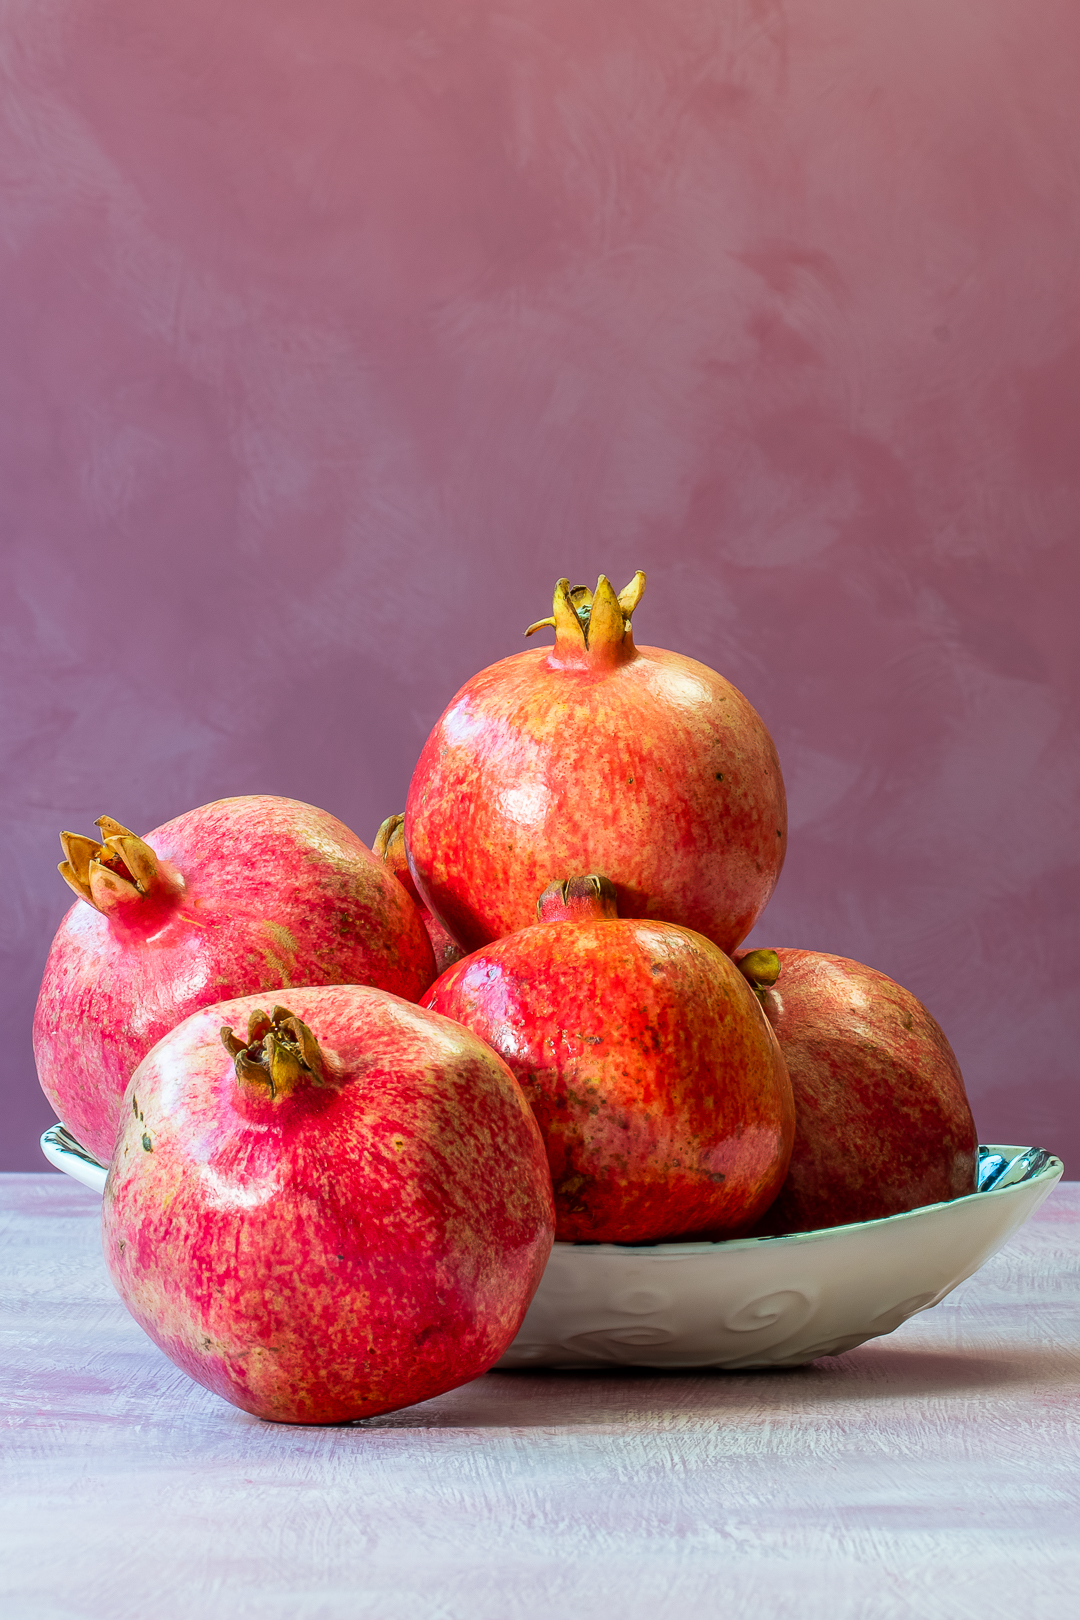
389 845
240 896
342 1210
882 1122
596 755
658 1086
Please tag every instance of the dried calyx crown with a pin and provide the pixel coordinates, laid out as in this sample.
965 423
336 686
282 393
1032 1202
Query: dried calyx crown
389 836
593 626
389 846
279 1054
113 872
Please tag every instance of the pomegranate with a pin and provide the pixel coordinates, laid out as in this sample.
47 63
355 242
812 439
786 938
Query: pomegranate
389 845
882 1122
596 755
658 1086
240 896
343 1209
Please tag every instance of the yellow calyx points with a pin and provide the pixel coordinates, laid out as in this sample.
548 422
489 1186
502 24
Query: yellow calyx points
587 620
119 869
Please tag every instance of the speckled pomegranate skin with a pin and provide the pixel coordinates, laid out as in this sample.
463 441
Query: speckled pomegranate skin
660 1091
444 947
653 769
274 893
882 1118
341 1251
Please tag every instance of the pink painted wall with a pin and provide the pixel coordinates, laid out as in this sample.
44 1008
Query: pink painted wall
334 331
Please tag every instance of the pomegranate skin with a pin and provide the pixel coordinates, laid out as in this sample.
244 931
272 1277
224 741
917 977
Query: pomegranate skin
660 1091
259 893
653 769
389 845
882 1117
444 947
345 1249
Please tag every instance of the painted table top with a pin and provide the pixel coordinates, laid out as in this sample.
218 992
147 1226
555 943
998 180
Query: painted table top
932 1474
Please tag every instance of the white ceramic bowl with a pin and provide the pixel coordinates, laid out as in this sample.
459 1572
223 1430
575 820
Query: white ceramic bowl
753 1302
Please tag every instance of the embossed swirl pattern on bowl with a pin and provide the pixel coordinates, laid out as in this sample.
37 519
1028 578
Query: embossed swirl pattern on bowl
773 1302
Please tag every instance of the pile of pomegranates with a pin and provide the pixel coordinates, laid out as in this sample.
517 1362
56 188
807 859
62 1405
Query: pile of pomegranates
349 1097
245 895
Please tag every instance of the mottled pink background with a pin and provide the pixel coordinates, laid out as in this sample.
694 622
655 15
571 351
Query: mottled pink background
334 331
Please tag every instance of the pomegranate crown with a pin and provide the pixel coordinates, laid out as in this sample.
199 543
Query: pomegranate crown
389 846
593 627
279 1054
119 869
760 969
390 833
589 897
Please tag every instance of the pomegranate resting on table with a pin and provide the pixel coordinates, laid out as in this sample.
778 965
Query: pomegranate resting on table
330 1209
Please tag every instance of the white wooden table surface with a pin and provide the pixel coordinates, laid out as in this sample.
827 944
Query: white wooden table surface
932 1474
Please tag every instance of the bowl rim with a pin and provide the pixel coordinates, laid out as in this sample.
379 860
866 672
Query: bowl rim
1044 1167
58 1143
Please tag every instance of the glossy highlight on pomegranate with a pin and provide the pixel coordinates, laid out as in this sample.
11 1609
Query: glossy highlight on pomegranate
242 895
882 1120
327 1210
659 1087
596 755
